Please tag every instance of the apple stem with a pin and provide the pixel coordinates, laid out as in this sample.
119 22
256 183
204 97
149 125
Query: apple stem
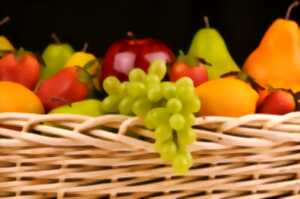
55 38
85 46
206 21
131 35
4 20
290 8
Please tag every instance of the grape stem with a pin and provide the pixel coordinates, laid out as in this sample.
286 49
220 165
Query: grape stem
290 8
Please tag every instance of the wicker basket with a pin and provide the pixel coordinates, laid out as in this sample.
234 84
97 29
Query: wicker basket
256 156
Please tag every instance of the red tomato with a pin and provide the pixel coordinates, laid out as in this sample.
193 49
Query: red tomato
24 69
197 73
66 87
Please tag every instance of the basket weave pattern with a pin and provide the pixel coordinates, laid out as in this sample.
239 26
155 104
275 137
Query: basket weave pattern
71 156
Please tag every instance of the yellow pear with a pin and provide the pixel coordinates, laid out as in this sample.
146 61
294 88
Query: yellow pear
5 44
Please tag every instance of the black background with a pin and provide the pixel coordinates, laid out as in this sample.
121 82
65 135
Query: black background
241 22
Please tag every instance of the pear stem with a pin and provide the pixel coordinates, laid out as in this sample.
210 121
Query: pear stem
131 35
55 38
206 21
4 20
290 8
85 46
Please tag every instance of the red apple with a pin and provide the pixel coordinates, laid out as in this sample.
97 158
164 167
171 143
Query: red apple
189 67
23 69
125 54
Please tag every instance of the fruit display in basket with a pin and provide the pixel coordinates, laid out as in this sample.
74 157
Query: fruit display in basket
125 54
278 102
276 61
69 85
89 107
227 97
183 68
55 57
22 68
209 45
17 98
5 44
166 107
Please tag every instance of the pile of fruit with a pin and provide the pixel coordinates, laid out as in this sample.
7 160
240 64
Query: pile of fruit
143 77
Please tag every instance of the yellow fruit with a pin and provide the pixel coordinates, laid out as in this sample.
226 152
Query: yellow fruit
15 97
5 44
227 97
81 59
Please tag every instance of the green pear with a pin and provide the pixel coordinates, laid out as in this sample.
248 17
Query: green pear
89 107
55 57
209 45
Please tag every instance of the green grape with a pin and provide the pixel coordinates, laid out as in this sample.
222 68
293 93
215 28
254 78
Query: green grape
126 105
189 118
174 105
151 79
111 85
141 106
157 116
137 74
186 137
185 81
122 89
168 89
136 89
154 93
195 105
110 104
168 150
158 145
149 120
185 153
163 132
158 68
181 163
185 94
192 105
189 159
177 121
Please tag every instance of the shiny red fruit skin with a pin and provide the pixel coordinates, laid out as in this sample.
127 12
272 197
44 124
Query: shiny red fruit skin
197 73
24 69
278 102
140 52
63 88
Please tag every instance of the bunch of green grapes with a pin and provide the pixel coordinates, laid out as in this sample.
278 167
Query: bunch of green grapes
166 107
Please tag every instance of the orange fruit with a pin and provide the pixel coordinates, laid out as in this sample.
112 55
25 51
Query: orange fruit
15 97
227 97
